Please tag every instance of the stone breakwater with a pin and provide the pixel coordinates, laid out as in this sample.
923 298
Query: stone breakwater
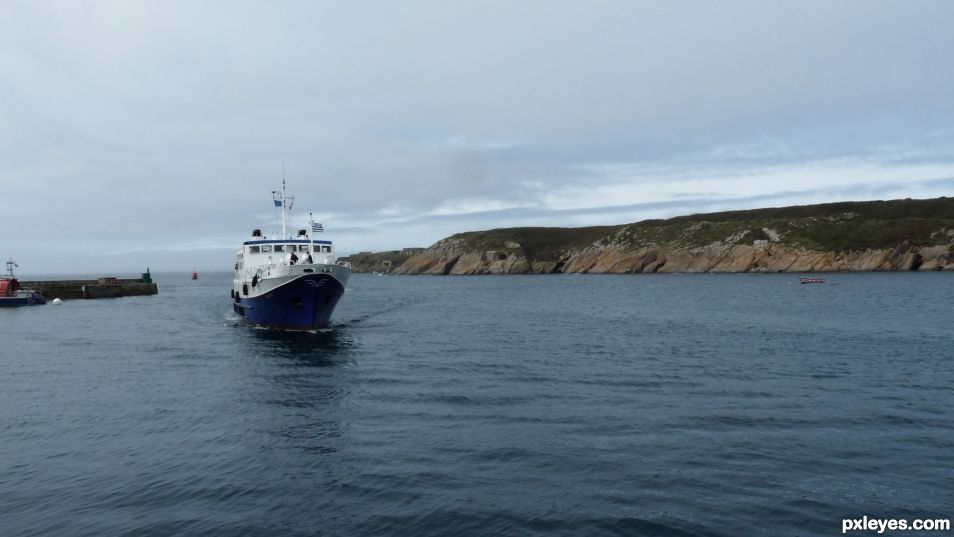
453 256
87 289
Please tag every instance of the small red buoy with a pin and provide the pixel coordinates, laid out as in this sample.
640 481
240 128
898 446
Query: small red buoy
195 275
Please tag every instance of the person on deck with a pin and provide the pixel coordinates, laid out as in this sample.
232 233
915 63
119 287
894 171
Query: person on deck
293 259
308 260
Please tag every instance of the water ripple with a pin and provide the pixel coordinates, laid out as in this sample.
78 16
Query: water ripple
667 406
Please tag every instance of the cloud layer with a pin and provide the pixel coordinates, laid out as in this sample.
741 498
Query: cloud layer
161 128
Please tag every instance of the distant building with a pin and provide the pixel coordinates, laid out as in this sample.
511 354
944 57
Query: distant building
412 251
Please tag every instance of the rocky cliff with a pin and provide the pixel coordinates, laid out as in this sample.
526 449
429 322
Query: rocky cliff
383 262
894 235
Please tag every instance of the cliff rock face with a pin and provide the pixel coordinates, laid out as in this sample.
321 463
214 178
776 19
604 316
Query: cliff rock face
383 262
897 235
449 258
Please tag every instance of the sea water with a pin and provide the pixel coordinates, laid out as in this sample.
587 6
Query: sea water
678 405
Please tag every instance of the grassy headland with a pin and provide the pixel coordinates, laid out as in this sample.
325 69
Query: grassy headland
830 236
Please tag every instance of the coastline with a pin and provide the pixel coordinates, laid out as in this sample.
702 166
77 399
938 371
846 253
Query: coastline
883 236
715 259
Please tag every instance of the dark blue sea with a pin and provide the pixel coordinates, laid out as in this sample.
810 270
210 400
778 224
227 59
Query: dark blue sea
731 405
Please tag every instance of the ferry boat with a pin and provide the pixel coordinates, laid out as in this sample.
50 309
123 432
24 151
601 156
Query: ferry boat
12 295
811 279
290 283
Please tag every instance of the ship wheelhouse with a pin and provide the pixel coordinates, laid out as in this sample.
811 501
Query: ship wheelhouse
261 251
260 244
287 246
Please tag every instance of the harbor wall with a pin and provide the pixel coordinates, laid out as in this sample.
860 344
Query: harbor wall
89 289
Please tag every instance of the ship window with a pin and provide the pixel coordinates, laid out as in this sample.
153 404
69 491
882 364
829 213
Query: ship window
253 249
279 247
317 248
266 248
326 248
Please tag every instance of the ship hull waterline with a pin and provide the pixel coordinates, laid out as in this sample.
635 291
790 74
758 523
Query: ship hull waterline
304 303
23 298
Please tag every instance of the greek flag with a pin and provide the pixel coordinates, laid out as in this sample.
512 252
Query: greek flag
278 203
317 228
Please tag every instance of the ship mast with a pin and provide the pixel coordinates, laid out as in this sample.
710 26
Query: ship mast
285 202
284 207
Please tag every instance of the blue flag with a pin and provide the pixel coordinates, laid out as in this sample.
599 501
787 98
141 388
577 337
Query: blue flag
278 203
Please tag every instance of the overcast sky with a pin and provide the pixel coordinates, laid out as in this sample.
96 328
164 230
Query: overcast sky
137 134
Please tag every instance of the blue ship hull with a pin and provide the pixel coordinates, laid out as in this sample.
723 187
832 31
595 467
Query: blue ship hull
34 298
305 303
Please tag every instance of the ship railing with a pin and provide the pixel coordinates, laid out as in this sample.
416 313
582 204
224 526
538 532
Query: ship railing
273 269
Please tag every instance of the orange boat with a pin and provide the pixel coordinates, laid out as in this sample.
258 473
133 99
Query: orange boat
12 295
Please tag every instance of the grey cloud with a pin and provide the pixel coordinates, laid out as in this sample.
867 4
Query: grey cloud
674 207
165 122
